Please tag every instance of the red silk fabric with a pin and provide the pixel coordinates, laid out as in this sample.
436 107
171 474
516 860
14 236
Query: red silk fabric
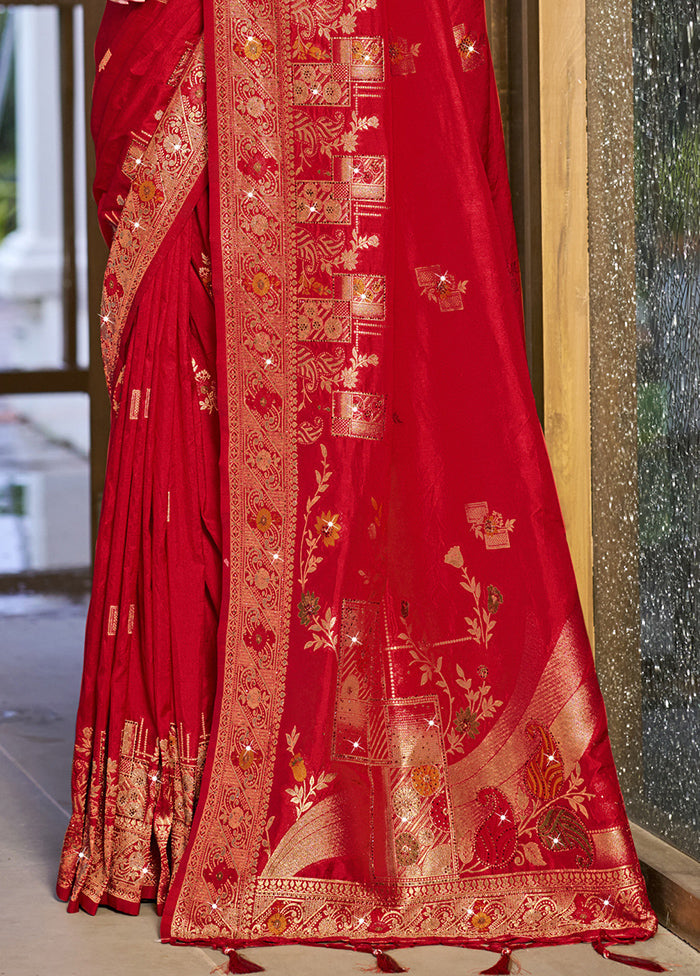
405 741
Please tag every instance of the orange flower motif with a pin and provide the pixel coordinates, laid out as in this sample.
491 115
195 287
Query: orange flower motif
149 193
253 48
425 779
298 768
277 923
480 920
261 284
263 520
328 525
246 758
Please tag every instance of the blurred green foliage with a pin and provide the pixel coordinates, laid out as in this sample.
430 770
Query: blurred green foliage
8 178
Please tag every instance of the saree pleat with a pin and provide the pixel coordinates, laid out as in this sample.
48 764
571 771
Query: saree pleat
337 683
149 679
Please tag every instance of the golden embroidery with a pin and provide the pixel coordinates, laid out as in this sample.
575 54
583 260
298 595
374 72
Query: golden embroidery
162 172
105 60
480 706
358 415
402 56
489 526
304 793
116 391
325 532
135 404
153 786
206 388
112 621
468 46
309 555
442 287
464 717
447 907
204 272
480 626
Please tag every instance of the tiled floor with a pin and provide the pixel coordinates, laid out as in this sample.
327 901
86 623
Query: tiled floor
40 657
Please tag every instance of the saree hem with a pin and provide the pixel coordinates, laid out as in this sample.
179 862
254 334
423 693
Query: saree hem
85 903
591 937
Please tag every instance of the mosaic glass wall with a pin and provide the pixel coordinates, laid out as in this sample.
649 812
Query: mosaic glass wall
667 181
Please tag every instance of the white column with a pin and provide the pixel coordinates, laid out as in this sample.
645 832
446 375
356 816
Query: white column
31 258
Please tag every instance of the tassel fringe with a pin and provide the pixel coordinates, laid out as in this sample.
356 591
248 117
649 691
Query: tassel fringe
385 964
502 967
239 964
636 961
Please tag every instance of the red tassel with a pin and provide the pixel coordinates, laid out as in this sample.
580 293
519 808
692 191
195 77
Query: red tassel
648 964
239 964
385 964
502 967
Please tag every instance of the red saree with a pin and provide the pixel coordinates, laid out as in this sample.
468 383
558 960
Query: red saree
332 581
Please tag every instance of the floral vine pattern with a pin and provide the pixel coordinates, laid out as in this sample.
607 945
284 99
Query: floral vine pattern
206 388
306 788
441 287
460 718
325 532
489 526
358 242
482 624
402 56
349 376
480 706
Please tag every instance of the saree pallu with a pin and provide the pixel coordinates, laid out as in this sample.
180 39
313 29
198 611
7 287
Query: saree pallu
337 684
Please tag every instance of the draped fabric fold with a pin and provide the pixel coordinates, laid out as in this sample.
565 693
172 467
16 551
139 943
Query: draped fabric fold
337 685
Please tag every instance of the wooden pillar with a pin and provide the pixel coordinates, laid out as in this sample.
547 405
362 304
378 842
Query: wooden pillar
565 270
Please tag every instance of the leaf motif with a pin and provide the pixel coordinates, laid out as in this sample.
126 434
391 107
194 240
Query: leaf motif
454 742
292 739
490 707
577 803
474 630
575 780
561 830
544 773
